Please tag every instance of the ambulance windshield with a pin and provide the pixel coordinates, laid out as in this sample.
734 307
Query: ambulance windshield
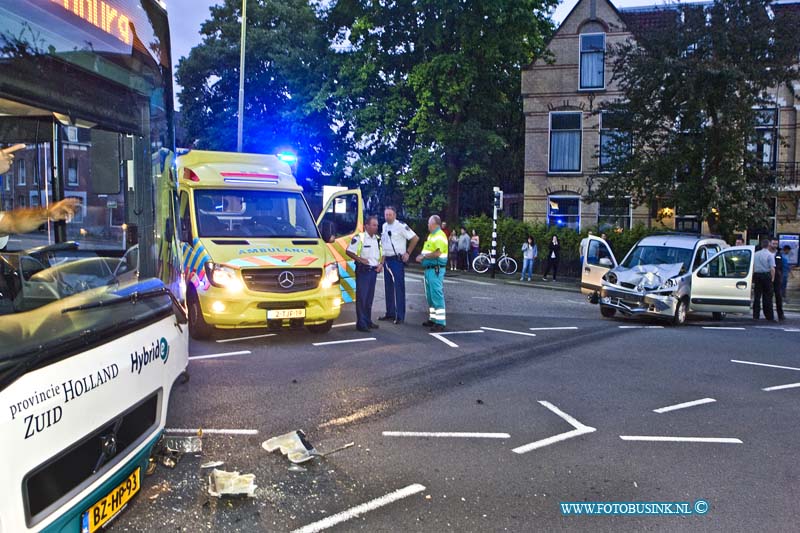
253 213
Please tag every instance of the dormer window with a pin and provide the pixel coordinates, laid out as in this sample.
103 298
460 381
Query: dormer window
593 56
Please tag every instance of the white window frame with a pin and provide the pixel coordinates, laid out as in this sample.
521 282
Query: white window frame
775 129
550 143
22 172
630 212
77 176
566 196
580 62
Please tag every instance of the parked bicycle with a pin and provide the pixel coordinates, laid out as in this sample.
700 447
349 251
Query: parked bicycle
505 263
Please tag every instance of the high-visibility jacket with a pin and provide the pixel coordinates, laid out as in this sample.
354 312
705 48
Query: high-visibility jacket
359 241
437 241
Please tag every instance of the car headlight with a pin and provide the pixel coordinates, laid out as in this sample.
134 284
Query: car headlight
224 277
611 278
331 276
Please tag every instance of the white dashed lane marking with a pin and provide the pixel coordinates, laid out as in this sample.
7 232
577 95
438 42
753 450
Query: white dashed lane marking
683 405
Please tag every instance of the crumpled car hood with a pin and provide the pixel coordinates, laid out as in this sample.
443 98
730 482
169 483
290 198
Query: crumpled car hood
650 277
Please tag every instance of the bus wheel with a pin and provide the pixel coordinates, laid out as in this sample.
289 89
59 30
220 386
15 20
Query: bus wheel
198 328
319 329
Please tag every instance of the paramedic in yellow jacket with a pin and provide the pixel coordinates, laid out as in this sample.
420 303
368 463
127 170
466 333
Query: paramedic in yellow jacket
434 260
365 249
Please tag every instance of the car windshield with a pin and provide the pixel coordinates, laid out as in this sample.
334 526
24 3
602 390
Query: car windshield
249 213
658 255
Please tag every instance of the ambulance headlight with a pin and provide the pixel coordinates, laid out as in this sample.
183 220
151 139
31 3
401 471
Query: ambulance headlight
330 276
224 277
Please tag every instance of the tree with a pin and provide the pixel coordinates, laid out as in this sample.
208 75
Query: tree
288 84
693 93
430 91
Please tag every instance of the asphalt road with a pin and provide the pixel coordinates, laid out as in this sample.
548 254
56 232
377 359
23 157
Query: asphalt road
549 407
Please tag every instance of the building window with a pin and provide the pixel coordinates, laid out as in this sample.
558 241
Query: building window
564 212
613 214
765 144
20 201
565 142
593 55
21 172
688 224
615 142
72 171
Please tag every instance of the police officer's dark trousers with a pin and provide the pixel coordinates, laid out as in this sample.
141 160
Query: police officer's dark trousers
366 277
776 290
394 281
762 284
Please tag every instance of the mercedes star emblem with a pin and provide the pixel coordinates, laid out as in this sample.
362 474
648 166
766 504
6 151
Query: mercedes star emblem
286 279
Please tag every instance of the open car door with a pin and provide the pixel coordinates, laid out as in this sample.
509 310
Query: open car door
599 259
341 219
723 283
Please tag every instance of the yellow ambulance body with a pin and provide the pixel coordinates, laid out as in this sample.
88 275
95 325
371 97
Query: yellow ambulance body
253 256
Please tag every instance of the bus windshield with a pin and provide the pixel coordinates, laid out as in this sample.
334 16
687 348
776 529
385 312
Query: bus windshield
253 213
88 108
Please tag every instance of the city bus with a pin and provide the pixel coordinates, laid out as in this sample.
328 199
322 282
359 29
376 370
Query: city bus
93 335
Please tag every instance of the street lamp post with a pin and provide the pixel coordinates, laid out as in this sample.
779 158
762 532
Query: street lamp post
242 46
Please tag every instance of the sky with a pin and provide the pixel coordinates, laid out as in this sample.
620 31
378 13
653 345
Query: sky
186 16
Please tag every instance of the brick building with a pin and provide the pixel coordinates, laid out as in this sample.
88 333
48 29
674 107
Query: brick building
564 136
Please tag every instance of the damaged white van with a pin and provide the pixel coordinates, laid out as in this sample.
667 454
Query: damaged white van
668 276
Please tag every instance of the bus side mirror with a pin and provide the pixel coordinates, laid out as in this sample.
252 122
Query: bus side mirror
328 231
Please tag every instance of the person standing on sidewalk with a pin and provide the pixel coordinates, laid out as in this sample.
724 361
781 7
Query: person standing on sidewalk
474 246
553 256
529 253
398 241
434 260
774 248
463 249
453 250
763 278
787 269
366 250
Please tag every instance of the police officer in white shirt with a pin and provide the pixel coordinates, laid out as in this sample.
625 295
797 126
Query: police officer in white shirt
366 250
398 242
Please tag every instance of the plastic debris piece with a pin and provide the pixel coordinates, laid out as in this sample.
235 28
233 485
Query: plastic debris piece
151 467
297 468
212 464
191 444
222 483
293 445
340 448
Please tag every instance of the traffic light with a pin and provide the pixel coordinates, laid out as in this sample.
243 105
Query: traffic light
498 198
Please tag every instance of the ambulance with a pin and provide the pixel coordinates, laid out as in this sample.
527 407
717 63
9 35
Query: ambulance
253 255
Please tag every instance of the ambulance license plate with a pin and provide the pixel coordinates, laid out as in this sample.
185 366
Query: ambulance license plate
278 314
107 508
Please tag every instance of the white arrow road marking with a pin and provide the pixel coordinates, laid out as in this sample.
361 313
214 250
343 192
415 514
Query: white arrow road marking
723 440
759 364
450 343
361 509
509 331
442 434
683 405
782 387
580 429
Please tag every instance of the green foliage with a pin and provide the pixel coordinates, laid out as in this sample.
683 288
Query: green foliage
288 84
429 93
692 90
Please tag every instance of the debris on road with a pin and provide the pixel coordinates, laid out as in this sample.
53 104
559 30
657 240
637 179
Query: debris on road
222 483
212 464
293 445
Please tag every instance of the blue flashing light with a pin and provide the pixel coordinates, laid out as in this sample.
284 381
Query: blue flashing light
289 158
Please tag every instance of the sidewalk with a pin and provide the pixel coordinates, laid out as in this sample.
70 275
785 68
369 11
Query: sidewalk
791 305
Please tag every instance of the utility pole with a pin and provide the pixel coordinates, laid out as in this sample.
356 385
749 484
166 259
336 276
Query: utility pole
242 47
498 204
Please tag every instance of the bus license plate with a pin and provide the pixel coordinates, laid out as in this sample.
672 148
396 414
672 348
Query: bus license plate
107 508
286 313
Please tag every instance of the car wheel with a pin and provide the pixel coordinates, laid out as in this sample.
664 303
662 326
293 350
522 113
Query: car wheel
680 314
198 328
320 329
608 312
718 316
